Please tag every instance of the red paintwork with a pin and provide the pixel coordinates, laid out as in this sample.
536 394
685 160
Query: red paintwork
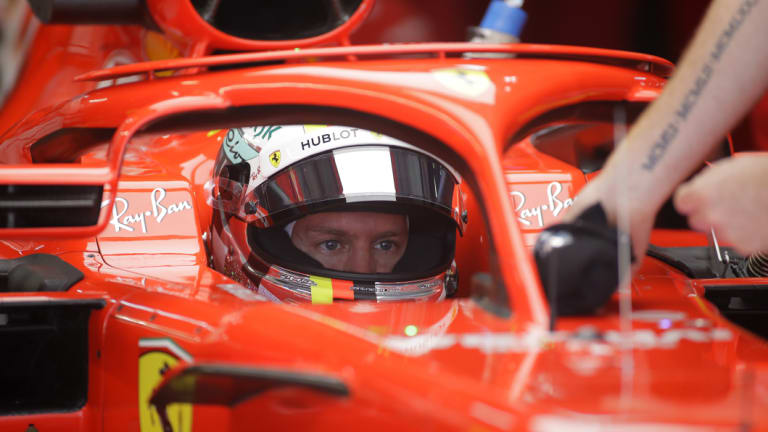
466 369
636 60
182 22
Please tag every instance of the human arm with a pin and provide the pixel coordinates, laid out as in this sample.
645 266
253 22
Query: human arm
722 74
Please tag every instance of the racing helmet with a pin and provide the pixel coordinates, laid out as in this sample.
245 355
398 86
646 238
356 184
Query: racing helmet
321 213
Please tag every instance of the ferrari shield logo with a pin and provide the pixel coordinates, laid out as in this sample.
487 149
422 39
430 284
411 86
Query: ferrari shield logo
274 158
468 82
158 357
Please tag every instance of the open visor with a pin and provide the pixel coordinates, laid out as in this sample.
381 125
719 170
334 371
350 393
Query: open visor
338 178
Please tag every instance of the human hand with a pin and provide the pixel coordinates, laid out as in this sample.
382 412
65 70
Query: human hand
605 190
731 197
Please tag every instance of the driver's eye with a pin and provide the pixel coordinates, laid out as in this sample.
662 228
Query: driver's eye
330 245
386 245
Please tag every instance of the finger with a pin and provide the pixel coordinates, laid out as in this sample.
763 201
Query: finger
639 252
640 237
742 242
746 247
699 222
687 198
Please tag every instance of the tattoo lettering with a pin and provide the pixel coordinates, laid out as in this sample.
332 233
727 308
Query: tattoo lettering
669 132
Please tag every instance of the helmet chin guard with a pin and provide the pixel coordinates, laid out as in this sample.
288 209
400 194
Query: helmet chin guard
283 285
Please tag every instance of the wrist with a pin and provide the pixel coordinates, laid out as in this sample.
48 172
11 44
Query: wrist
621 192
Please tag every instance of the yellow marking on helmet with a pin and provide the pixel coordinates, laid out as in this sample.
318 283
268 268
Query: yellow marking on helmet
309 128
212 133
322 291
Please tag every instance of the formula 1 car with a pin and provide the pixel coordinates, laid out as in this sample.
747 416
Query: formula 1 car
125 297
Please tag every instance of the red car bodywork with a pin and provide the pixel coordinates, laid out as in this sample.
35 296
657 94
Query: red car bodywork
161 322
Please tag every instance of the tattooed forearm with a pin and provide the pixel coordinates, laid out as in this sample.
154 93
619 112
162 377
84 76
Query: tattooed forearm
691 97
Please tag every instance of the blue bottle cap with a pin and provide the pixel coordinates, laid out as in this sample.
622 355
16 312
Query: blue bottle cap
504 18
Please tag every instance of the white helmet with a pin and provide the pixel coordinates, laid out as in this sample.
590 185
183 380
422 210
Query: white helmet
317 213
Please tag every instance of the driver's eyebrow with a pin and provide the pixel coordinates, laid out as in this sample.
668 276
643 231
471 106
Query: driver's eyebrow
342 233
328 230
389 234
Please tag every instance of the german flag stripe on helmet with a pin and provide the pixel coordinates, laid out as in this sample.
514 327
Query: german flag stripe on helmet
324 290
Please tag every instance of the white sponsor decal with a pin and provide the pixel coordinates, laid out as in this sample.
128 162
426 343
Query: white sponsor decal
241 292
495 343
555 205
333 135
160 210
